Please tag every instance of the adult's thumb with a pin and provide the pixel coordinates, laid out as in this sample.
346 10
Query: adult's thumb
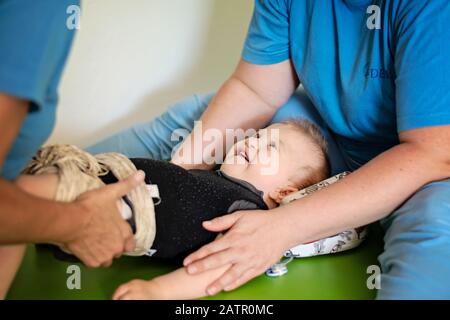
121 188
222 223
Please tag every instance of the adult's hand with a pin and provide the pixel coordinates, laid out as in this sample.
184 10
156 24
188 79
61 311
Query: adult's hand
253 243
103 234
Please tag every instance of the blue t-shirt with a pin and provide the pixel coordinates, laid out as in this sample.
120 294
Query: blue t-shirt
372 68
34 43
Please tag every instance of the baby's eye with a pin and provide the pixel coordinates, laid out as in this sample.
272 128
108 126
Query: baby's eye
273 145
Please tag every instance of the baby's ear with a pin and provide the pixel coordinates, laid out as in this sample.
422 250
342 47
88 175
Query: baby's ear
278 194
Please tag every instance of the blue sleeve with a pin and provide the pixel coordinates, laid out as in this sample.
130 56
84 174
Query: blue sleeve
34 42
155 138
422 64
267 39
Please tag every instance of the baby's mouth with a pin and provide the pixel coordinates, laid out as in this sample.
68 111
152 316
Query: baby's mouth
243 154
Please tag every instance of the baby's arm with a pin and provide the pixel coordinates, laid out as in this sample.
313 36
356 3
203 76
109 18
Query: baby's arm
176 285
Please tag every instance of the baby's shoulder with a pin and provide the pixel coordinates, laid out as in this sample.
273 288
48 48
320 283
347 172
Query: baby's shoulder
157 169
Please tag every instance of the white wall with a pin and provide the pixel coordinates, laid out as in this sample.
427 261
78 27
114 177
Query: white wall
132 58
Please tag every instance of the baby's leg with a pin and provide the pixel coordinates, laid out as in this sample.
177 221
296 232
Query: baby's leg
176 285
43 186
10 259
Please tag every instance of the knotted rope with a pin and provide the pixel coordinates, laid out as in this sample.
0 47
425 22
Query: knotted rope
79 171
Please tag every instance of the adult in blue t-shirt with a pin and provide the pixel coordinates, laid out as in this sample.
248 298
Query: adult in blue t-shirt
375 77
35 37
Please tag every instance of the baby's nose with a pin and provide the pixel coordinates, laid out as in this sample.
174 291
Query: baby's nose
252 142
250 145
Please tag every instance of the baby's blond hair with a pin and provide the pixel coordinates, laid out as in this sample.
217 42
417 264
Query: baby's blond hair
321 169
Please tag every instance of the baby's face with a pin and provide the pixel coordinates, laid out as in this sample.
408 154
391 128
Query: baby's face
271 158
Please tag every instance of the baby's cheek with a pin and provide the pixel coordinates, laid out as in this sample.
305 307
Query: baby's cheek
265 179
270 168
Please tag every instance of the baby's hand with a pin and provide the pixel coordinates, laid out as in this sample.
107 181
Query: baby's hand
139 290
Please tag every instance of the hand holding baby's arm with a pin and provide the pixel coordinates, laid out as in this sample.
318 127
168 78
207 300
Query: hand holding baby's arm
251 245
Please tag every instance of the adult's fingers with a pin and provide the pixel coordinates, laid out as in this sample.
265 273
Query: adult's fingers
105 254
130 244
121 188
107 263
127 235
246 277
216 260
222 223
229 277
102 253
86 256
208 249
117 190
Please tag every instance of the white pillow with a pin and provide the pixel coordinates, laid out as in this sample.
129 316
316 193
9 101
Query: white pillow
343 241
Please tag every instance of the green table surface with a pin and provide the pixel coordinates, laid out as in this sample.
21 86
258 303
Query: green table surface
339 276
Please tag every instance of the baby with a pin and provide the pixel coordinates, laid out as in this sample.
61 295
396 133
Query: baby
258 172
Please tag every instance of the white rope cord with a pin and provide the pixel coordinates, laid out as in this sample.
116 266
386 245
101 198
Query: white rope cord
79 171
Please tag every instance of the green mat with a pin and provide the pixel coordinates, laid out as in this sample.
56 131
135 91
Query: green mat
338 276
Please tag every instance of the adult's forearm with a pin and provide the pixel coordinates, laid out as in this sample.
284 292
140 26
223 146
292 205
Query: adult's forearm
28 219
234 106
368 194
247 100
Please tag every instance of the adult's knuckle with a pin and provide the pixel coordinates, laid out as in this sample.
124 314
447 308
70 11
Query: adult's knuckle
103 258
233 274
206 251
219 259
202 265
127 234
117 248
234 237
107 263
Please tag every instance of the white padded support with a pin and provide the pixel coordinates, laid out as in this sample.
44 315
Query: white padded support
343 241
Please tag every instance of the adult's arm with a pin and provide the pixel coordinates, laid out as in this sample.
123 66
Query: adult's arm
90 227
256 239
248 99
